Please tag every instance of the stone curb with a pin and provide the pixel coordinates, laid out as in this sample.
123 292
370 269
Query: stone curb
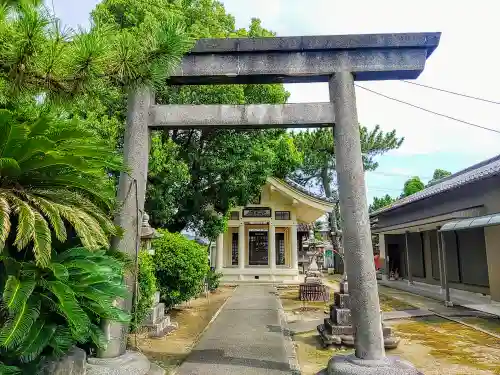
288 340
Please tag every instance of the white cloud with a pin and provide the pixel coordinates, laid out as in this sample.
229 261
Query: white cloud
463 62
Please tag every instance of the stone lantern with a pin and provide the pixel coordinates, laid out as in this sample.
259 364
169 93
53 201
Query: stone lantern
148 234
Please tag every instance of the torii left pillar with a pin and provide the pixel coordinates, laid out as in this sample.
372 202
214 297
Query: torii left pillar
131 197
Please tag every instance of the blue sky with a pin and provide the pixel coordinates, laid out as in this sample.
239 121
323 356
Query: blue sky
465 61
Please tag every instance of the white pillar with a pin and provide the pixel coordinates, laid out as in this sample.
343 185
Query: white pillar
241 246
219 257
295 251
272 246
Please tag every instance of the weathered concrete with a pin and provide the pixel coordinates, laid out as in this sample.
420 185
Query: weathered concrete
246 338
306 59
131 195
242 116
351 365
356 235
129 363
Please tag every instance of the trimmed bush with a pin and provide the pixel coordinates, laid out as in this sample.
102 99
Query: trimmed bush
213 280
181 267
147 289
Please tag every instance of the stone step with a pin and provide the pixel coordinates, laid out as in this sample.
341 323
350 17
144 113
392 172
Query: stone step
155 314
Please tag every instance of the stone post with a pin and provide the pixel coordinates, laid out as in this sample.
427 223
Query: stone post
408 264
447 299
356 235
219 256
131 195
272 246
295 253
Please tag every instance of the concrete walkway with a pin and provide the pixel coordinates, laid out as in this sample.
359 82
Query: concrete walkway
469 300
246 338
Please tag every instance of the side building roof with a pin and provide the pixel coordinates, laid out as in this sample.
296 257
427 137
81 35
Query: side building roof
485 169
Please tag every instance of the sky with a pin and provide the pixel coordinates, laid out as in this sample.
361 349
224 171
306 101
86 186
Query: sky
465 62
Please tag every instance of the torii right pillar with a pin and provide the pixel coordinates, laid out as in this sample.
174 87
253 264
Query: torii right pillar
369 357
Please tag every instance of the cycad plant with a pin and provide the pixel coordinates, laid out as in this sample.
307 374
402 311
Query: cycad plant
53 174
45 311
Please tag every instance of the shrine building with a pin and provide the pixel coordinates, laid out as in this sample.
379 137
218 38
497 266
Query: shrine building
263 241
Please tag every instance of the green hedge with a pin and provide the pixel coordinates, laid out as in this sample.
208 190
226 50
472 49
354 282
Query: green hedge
147 289
181 267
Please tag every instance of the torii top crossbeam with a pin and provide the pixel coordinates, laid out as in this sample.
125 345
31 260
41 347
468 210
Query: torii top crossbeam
306 58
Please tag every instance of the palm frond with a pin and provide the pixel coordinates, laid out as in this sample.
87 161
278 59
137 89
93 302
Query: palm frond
69 307
61 340
50 212
98 337
17 326
38 338
26 221
4 220
9 370
41 241
16 293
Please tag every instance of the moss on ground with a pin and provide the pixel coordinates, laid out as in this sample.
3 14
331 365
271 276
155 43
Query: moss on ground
453 342
393 304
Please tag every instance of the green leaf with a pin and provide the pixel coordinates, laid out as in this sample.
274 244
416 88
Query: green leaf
40 335
69 307
4 220
17 327
41 241
9 370
5 129
98 337
59 271
16 293
62 340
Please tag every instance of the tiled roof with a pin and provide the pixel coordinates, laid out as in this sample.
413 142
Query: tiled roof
302 189
480 171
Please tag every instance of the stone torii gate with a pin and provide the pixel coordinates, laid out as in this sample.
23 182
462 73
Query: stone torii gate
338 60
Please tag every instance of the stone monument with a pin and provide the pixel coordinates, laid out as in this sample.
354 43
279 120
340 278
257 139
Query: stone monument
337 328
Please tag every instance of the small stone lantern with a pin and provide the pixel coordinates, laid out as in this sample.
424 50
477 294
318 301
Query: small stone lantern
148 234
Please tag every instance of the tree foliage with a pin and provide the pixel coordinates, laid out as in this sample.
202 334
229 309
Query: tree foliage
412 186
438 175
181 267
382 202
197 175
318 167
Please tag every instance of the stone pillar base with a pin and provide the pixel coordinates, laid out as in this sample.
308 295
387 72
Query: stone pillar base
350 365
129 363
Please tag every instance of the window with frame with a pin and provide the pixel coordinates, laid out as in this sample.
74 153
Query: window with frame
282 215
280 249
234 250
235 215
